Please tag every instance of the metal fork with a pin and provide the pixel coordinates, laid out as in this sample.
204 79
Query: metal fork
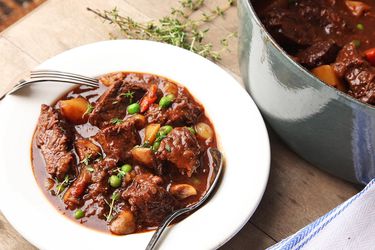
53 76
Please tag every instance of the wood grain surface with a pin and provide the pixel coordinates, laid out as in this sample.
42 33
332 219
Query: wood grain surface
297 193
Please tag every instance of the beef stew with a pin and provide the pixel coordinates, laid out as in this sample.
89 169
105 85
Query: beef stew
121 157
333 39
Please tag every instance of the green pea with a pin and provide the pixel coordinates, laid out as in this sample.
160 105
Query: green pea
78 214
165 130
166 101
114 181
156 145
133 108
126 168
192 130
360 26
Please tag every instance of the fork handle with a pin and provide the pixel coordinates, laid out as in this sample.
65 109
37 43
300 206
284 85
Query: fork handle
12 89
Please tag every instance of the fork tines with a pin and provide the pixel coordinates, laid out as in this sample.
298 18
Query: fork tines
59 76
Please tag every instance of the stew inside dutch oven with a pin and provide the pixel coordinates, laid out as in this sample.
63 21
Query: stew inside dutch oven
124 155
335 39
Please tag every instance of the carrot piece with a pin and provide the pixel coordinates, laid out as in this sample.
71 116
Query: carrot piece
149 98
357 8
326 74
370 56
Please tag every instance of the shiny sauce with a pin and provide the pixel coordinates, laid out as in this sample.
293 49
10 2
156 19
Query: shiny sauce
48 185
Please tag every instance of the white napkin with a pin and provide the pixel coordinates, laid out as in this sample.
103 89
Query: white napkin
349 226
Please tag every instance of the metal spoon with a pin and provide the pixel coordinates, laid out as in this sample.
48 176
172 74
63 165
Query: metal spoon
217 159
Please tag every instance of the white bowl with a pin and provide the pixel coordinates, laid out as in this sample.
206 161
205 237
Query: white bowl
238 123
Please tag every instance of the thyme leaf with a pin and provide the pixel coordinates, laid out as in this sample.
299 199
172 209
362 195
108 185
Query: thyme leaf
90 169
129 94
178 28
116 121
86 160
89 109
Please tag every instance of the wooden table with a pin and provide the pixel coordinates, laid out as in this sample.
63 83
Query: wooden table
297 193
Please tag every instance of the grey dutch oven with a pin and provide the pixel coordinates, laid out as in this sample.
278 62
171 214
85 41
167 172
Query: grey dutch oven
326 127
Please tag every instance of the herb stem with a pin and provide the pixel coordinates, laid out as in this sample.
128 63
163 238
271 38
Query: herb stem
177 28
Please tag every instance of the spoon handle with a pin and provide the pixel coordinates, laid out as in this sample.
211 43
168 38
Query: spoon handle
161 228
217 159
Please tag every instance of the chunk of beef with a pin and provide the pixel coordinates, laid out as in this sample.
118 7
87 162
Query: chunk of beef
93 182
53 136
321 14
362 83
347 58
183 111
180 148
116 141
100 175
86 149
288 30
332 22
149 201
303 22
357 72
322 52
113 103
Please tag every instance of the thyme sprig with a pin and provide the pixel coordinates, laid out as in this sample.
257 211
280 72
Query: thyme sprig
115 196
116 121
178 28
129 95
60 187
87 159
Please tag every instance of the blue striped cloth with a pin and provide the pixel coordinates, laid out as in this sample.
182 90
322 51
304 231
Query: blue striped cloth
351 225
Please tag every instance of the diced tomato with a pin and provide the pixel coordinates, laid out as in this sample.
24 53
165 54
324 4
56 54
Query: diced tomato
370 56
149 98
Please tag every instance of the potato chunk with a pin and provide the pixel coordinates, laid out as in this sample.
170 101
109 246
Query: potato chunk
138 120
151 131
74 110
144 156
326 74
